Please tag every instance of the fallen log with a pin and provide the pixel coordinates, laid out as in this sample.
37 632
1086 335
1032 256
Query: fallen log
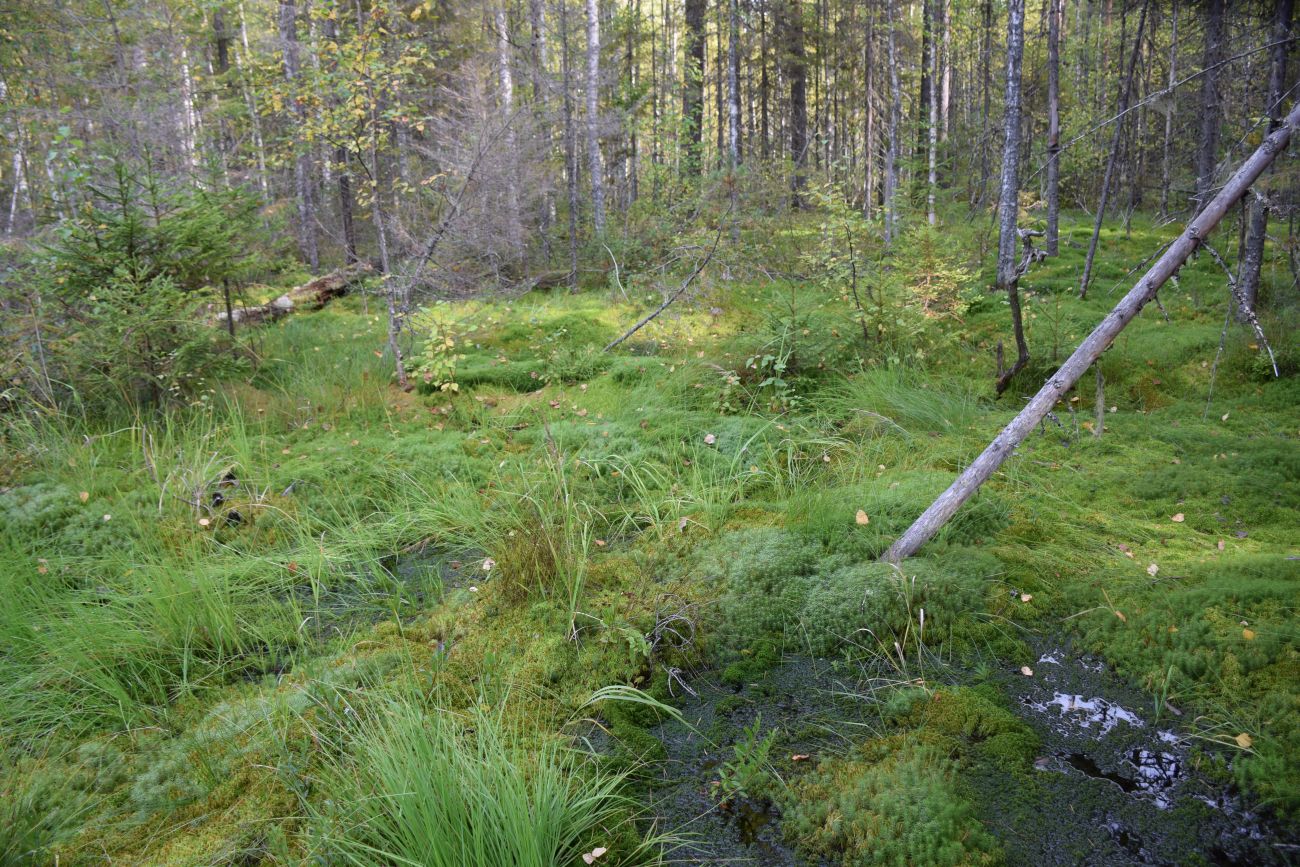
312 295
1004 444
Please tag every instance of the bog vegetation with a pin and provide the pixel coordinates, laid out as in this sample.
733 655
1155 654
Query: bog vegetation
461 568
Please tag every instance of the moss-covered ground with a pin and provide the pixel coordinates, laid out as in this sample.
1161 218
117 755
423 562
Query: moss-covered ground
207 615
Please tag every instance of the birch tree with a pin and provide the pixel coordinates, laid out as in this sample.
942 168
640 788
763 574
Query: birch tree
595 164
1009 191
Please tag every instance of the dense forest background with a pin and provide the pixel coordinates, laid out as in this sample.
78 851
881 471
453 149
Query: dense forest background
468 147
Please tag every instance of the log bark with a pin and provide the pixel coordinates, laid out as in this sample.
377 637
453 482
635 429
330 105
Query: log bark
1004 444
312 295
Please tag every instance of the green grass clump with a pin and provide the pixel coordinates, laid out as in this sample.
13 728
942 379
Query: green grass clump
428 787
901 804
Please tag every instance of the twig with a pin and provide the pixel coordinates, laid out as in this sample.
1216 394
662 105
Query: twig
1247 313
680 289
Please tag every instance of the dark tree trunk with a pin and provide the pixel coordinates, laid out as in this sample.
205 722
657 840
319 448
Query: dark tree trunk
1253 255
892 154
693 86
1055 11
1207 152
796 72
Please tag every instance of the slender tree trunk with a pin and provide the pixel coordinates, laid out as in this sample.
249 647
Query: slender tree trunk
1004 445
895 121
1211 109
1009 195
302 181
541 102
596 166
1169 110
869 134
1125 89
1253 256
932 127
693 87
506 79
1055 12
986 85
570 141
796 71
764 89
254 114
945 67
926 96
343 175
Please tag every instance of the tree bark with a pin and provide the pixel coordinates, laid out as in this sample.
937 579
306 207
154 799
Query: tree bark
302 180
1169 111
1207 152
1009 195
595 164
1055 11
796 71
570 142
506 81
1002 447
895 120
347 202
693 86
1125 89
1253 255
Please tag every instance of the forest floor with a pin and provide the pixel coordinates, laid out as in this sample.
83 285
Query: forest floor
211 618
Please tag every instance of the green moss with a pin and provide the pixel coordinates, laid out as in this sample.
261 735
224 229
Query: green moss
907 808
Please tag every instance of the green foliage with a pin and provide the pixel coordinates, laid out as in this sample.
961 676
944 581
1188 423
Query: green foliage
435 362
747 771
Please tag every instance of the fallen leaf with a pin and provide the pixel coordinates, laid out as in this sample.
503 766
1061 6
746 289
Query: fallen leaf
590 857
1152 570
710 439
1026 671
681 525
799 757
1178 519
1244 741
862 518
203 522
1025 597
83 496
488 563
1248 634
108 518
600 543
1224 417
473 589
1221 545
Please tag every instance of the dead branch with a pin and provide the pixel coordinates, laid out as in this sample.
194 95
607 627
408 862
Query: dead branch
645 320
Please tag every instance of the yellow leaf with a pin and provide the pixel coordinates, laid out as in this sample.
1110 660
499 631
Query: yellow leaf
1026 671
1025 597
1120 615
1248 634
1244 741
83 496
1178 519
862 518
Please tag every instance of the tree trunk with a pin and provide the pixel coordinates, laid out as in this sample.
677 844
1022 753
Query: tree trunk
895 120
1207 152
796 72
1055 11
1253 256
1002 447
570 142
1009 195
693 86
733 85
347 202
506 79
1169 111
302 181
1125 89
932 151
537 72
595 164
